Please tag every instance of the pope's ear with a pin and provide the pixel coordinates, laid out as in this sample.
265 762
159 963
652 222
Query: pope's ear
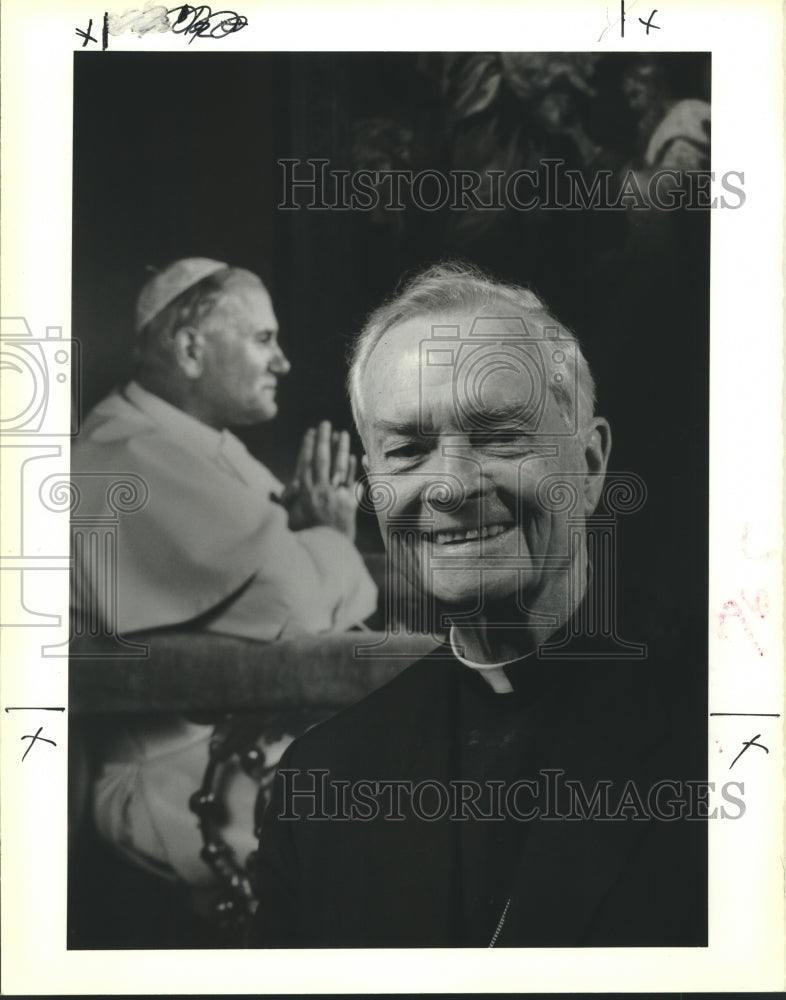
188 350
597 445
364 463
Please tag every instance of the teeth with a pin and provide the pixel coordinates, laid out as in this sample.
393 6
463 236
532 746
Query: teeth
494 529
469 534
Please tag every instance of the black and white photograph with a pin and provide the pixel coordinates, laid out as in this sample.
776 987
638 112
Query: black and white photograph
493 646
391 501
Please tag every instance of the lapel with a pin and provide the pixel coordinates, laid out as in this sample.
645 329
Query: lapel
567 867
405 870
405 889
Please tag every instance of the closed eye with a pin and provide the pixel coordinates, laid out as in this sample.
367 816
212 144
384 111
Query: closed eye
405 454
409 450
503 442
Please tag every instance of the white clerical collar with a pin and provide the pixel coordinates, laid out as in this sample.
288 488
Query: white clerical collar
492 673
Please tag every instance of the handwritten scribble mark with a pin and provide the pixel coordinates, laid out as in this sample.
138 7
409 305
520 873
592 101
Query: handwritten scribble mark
745 745
758 605
33 739
620 20
648 23
86 34
201 22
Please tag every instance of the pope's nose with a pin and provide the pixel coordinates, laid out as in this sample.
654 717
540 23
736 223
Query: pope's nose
279 363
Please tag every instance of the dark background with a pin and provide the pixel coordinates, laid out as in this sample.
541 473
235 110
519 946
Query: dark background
175 155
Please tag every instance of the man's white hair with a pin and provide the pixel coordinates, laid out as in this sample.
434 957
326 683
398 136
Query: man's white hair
458 289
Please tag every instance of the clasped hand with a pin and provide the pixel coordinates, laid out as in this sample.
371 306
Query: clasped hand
323 489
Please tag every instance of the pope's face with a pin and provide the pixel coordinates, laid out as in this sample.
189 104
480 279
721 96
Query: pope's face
469 472
242 360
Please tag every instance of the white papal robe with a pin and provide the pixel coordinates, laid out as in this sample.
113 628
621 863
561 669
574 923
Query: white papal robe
209 545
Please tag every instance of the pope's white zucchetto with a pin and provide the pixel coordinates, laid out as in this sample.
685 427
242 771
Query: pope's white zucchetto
164 287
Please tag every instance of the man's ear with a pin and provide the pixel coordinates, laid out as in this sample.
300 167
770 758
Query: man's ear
189 351
597 445
364 463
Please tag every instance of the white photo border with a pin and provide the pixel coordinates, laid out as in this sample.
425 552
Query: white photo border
746 926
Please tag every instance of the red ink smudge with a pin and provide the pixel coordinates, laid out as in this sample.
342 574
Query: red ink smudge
731 609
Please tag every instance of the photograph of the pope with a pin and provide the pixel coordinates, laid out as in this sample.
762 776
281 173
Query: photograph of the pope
389 554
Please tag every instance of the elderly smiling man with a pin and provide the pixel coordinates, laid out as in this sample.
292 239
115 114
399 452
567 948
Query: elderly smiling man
218 545
463 423
512 788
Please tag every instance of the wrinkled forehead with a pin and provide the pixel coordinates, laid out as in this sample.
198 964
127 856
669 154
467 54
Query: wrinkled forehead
499 356
426 338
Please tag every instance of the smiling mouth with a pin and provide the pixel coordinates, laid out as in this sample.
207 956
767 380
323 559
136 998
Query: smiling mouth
456 536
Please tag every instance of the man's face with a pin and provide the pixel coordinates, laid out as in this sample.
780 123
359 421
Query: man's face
489 535
242 360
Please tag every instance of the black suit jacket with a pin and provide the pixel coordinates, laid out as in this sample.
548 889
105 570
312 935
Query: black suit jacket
325 880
